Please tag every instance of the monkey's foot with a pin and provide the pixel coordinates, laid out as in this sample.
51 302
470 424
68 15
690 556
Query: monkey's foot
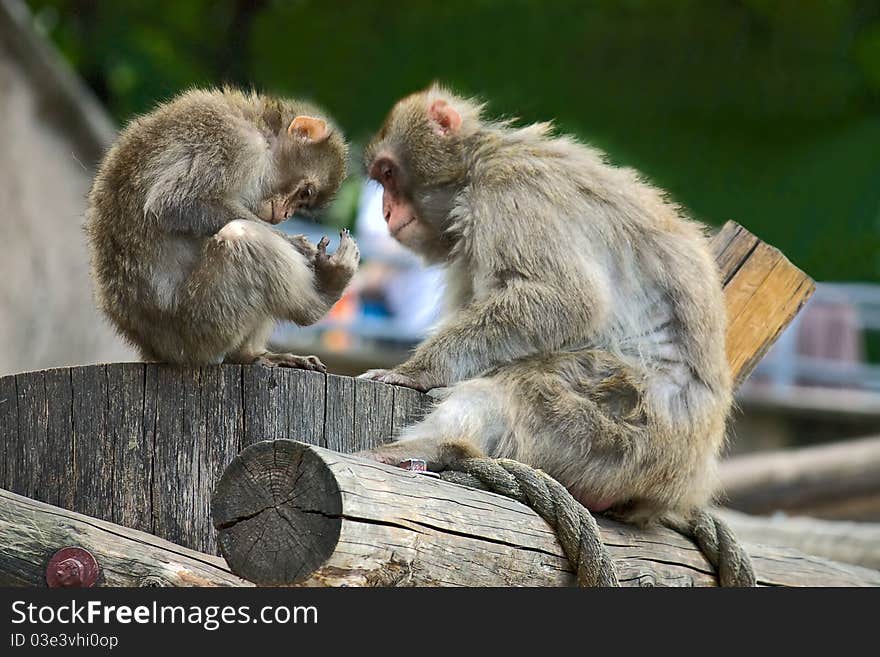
312 363
437 454
420 381
373 375
380 457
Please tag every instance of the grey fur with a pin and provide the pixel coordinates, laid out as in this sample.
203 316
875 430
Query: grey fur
184 263
585 332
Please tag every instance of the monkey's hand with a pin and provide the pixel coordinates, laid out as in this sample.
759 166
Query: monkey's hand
333 272
302 244
422 381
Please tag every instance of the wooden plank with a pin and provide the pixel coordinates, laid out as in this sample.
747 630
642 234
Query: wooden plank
775 304
339 418
224 416
260 387
305 403
30 451
721 240
131 503
151 413
373 412
343 520
58 464
42 463
732 246
9 439
763 292
283 402
409 406
180 508
93 451
748 279
360 413
31 532
38 408
223 405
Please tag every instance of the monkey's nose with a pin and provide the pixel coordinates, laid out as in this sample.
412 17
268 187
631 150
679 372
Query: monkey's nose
387 216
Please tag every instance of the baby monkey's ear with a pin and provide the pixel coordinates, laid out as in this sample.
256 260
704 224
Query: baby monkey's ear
445 118
309 129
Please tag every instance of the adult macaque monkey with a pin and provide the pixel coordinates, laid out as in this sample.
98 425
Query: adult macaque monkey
184 261
586 326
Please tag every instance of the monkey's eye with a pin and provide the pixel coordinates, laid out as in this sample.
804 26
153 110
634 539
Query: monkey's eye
307 192
387 173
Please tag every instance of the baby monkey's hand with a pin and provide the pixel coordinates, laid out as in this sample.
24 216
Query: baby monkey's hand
333 272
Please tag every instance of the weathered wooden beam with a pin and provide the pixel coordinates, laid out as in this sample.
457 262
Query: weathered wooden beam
31 532
850 542
806 480
290 513
763 291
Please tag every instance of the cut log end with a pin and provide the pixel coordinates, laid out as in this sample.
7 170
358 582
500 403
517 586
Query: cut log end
277 509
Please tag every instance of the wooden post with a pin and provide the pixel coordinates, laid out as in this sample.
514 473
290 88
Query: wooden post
142 445
290 513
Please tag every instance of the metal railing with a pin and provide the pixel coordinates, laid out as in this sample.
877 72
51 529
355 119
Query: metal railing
844 312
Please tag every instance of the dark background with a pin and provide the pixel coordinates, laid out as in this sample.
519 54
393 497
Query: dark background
764 112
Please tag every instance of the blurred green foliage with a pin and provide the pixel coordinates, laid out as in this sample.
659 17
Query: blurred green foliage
767 112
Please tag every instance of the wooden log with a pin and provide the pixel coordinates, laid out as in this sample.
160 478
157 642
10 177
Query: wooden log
850 542
291 513
813 481
31 532
141 445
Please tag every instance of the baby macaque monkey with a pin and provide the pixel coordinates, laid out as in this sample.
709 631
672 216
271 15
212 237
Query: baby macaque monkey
185 263
585 323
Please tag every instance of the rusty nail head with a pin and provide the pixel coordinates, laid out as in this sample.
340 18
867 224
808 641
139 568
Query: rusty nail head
72 567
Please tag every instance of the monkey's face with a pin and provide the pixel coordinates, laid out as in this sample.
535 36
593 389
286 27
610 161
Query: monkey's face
280 206
404 222
418 159
311 162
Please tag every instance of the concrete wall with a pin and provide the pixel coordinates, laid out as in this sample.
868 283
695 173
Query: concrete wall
47 315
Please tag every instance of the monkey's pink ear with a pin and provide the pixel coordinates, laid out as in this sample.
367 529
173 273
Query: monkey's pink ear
445 117
309 129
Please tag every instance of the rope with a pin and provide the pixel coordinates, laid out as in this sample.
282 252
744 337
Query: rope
575 528
720 547
577 531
